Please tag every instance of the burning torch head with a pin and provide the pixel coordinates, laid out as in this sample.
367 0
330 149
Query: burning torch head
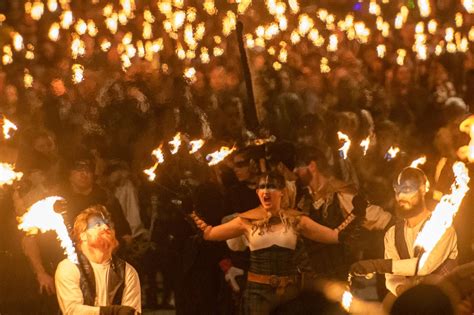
410 189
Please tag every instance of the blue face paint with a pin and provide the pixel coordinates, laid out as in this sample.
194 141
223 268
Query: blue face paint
96 222
407 187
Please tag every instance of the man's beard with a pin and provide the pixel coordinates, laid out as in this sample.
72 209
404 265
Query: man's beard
305 178
411 212
105 241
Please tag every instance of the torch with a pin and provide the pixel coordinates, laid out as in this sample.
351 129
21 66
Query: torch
442 217
50 214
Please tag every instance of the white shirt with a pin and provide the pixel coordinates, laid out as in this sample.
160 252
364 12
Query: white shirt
70 296
403 268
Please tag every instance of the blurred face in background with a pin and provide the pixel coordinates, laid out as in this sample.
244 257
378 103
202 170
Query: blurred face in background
241 168
45 145
82 178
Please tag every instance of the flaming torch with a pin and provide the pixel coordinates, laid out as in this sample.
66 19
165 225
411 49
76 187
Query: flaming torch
467 151
419 161
7 126
195 145
41 216
391 153
158 154
175 143
345 146
346 300
442 217
365 144
8 174
216 157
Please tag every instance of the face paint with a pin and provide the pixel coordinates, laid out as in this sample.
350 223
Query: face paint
407 187
95 222
267 185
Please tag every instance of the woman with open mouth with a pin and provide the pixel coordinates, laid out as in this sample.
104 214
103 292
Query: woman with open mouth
272 235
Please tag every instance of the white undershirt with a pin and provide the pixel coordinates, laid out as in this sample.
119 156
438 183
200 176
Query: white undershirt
71 301
403 268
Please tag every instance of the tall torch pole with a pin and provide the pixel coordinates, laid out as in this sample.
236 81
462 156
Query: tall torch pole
250 111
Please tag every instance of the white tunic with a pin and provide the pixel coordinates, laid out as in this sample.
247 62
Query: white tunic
401 268
70 296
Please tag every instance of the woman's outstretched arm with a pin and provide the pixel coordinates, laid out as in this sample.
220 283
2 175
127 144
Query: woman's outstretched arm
234 228
317 232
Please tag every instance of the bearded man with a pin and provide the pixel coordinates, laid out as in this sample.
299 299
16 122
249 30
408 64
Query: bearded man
103 284
401 266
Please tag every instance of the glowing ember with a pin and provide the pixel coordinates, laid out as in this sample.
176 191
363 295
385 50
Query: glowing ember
41 216
8 174
467 151
195 145
442 216
365 144
345 146
7 126
216 157
418 161
175 143
391 153
346 300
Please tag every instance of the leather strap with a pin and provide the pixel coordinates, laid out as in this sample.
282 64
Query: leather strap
277 282
400 242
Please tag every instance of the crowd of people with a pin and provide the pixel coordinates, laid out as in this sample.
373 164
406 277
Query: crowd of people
90 143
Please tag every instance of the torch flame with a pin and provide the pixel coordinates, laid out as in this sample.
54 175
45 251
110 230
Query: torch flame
175 143
158 154
346 145
8 174
391 153
216 157
41 216
195 145
442 217
151 172
419 161
365 144
7 126
346 300
467 151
